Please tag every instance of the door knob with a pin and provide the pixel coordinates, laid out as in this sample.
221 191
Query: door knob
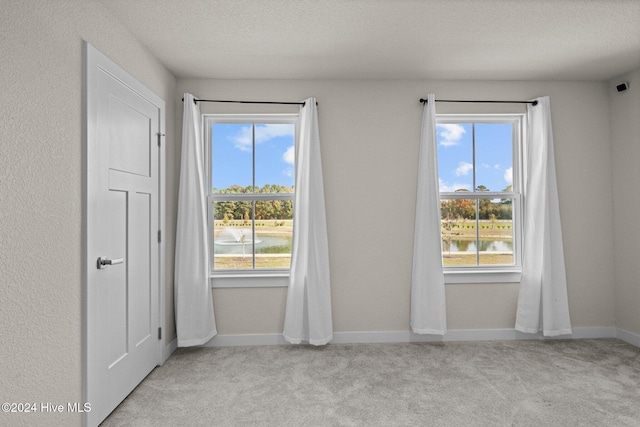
103 262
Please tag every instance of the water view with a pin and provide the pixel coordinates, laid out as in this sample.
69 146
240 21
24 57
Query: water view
483 246
236 248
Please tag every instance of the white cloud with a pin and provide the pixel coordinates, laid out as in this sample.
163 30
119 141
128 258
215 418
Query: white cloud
451 133
446 188
289 156
267 132
508 176
264 132
463 168
242 139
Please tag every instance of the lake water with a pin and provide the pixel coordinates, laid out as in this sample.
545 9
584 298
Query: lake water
225 246
485 246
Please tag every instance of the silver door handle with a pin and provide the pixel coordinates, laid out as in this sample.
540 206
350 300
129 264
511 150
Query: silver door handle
103 262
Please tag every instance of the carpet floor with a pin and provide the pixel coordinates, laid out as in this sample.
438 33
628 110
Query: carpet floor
510 383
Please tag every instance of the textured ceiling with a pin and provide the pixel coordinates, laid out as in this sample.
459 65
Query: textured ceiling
388 39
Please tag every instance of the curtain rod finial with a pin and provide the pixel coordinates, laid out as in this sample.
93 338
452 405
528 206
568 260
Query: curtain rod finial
534 103
423 101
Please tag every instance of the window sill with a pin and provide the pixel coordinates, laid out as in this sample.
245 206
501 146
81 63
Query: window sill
482 276
266 280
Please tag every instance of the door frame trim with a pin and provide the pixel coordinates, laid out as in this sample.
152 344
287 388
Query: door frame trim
93 60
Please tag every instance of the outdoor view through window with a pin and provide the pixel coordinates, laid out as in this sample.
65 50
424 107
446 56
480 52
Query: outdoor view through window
478 195
251 198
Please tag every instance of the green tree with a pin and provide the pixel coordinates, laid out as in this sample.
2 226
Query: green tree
449 222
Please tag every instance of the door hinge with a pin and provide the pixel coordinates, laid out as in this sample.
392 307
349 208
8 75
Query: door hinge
159 333
160 135
159 236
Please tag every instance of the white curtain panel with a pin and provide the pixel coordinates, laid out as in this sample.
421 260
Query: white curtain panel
543 304
195 322
428 308
308 313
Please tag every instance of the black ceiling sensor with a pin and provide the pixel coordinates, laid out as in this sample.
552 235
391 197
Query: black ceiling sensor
622 86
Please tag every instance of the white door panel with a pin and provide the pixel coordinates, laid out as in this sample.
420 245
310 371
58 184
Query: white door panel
112 283
141 255
123 217
132 125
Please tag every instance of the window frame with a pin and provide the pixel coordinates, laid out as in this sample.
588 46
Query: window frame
493 273
255 277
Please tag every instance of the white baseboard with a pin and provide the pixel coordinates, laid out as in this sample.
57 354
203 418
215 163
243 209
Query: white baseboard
453 335
406 336
628 337
245 339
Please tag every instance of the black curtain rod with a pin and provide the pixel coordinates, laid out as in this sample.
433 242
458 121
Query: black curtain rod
247 102
423 101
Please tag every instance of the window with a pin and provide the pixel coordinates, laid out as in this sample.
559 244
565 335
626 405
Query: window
479 170
250 168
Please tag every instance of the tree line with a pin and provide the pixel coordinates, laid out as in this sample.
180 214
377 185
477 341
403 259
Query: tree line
488 209
264 209
451 209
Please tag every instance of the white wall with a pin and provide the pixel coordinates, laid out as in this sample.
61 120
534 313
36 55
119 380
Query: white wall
369 133
625 135
41 150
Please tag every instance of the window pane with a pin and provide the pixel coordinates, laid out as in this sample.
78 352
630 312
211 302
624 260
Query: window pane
494 156
458 232
233 242
274 233
496 232
275 157
455 156
232 236
232 157
494 242
477 155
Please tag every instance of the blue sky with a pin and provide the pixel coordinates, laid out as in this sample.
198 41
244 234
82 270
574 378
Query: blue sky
232 154
494 158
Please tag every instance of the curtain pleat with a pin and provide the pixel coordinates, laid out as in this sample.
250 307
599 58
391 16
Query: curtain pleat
543 302
428 308
195 322
308 311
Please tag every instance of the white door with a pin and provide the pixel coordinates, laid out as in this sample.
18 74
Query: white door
123 257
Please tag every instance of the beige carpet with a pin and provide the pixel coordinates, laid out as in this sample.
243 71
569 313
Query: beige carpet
513 383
